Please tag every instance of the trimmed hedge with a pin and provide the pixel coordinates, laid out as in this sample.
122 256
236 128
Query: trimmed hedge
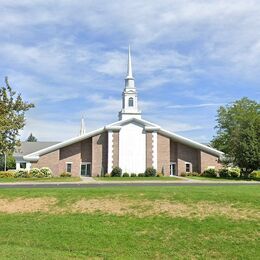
210 173
255 175
150 172
125 174
65 174
116 172
7 174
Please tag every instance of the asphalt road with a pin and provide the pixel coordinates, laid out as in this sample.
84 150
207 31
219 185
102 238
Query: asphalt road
100 185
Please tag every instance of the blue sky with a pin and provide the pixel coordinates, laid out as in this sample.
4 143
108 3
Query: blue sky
189 57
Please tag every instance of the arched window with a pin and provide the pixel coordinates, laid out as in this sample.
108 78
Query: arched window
130 102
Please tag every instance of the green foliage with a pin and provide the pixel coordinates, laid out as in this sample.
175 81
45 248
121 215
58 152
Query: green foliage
125 174
238 134
133 175
22 173
47 173
7 174
183 174
65 174
159 174
234 172
116 172
12 117
210 173
150 172
35 172
224 173
141 174
192 174
10 162
255 175
31 138
107 175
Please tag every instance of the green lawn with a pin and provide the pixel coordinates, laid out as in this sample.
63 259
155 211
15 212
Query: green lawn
136 179
151 223
201 178
54 179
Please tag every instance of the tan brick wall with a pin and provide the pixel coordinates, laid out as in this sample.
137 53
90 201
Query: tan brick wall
163 154
99 153
70 153
187 154
86 150
149 155
207 160
50 160
115 148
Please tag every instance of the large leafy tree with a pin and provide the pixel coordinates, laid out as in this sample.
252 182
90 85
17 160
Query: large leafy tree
238 133
12 117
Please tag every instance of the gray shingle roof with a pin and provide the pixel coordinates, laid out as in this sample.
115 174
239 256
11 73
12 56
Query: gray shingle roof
30 147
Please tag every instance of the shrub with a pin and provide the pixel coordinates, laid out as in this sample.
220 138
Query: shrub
133 175
159 174
7 174
107 175
255 175
224 173
34 172
125 174
210 173
192 174
150 172
116 172
65 174
183 174
22 173
141 175
234 172
45 172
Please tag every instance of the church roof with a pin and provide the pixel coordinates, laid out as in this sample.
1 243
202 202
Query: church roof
148 126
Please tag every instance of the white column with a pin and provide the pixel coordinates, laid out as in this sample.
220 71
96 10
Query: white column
28 166
17 165
110 151
154 149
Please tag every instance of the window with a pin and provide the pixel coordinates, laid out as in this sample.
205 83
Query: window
68 167
188 167
85 169
130 102
23 165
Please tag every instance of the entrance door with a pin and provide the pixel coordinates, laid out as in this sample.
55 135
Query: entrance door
172 169
85 169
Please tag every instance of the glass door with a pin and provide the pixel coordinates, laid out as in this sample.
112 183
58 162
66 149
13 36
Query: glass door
85 169
172 169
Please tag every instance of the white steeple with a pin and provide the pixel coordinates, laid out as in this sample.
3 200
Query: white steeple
82 127
129 95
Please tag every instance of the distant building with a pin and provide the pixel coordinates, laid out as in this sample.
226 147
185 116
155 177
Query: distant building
131 143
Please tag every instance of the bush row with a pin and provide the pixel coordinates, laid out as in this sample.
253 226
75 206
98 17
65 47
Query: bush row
44 172
149 172
229 173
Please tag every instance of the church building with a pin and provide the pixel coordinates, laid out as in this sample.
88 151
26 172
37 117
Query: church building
131 143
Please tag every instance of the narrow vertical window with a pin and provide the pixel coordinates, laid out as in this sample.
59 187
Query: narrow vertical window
188 167
68 167
130 102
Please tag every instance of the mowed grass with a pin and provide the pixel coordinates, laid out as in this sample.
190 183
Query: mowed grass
137 179
53 179
57 234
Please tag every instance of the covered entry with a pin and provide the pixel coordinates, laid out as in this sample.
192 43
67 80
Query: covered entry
85 169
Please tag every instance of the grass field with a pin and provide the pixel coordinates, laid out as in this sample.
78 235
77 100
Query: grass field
137 179
201 178
54 179
130 223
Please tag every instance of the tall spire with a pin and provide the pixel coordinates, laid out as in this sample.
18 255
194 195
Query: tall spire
82 127
129 65
129 80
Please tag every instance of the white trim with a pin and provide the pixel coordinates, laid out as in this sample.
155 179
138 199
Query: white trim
67 166
154 150
110 152
85 163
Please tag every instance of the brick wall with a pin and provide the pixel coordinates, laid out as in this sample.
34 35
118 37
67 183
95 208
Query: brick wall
149 159
163 154
99 153
50 160
115 148
207 160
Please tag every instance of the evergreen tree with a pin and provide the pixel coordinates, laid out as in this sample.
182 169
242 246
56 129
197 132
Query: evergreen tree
31 138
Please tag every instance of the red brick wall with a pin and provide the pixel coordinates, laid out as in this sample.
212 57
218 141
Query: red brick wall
163 154
149 159
207 160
